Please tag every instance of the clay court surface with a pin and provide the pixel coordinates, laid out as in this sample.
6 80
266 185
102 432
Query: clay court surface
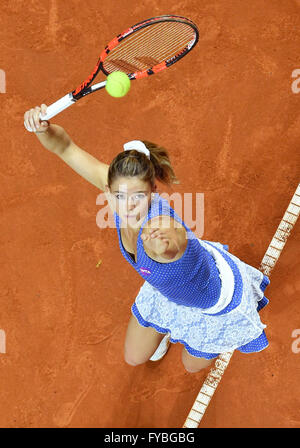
231 122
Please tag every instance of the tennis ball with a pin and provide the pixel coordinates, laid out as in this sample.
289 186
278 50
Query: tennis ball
117 84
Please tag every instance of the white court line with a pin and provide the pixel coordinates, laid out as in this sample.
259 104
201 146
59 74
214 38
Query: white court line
267 264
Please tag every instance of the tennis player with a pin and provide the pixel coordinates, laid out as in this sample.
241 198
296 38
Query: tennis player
195 292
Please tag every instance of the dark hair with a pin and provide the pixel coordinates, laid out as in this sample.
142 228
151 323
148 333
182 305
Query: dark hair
135 163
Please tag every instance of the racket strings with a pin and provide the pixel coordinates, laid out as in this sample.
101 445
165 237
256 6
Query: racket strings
146 37
152 45
172 50
135 62
149 47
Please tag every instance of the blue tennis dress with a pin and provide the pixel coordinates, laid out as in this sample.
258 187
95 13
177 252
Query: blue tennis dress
208 300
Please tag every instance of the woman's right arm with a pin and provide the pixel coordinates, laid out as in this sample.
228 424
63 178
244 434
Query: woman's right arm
56 140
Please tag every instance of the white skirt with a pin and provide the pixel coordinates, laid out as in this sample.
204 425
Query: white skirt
209 335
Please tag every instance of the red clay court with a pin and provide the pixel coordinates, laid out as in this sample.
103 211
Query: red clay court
230 120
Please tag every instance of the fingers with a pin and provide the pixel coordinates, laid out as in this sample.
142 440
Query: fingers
28 120
32 121
146 238
153 235
157 245
43 109
156 233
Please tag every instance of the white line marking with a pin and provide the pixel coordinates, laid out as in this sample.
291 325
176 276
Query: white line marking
267 264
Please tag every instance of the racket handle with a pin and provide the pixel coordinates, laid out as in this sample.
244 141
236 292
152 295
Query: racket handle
67 100
58 106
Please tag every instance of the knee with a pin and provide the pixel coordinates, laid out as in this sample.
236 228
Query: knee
193 364
132 361
193 369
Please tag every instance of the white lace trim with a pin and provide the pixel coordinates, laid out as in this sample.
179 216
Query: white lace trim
227 280
210 334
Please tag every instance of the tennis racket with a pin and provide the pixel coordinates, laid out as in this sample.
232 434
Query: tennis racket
142 50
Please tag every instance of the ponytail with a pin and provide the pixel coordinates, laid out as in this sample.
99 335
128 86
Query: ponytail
134 163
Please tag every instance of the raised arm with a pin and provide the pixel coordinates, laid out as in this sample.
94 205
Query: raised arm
55 139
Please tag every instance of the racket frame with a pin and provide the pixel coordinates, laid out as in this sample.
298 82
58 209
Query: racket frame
85 88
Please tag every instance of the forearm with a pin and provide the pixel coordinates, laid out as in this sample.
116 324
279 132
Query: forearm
55 138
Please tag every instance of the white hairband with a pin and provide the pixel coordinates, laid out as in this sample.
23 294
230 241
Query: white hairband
138 146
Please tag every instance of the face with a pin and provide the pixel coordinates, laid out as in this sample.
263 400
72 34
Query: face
130 198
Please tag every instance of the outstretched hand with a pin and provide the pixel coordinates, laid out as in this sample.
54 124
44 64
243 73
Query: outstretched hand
158 239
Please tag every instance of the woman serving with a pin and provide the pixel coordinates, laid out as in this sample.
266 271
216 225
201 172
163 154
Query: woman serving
195 291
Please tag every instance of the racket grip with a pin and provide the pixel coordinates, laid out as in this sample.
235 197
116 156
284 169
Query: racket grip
58 106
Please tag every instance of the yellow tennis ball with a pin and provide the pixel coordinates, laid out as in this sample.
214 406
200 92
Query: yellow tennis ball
117 84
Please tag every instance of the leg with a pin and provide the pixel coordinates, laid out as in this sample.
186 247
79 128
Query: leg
140 342
193 364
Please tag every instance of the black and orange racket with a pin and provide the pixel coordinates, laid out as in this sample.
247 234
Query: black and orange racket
142 50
